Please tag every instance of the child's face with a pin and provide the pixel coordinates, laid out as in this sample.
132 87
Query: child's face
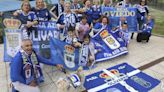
84 21
86 40
124 26
143 3
148 18
70 33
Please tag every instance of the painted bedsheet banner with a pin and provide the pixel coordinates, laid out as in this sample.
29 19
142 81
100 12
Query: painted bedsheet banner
114 15
120 78
12 37
111 45
41 35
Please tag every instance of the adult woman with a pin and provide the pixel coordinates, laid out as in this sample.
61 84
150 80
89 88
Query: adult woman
41 11
66 19
103 24
27 18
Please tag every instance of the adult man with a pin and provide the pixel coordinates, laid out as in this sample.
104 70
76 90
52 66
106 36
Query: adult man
26 73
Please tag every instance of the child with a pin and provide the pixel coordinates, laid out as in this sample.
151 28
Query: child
82 28
88 51
146 29
71 38
148 25
123 33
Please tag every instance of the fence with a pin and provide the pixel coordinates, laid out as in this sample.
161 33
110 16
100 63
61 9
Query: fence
159 4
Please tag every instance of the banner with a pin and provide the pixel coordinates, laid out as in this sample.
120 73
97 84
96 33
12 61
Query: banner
120 78
110 44
12 37
65 54
115 14
41 35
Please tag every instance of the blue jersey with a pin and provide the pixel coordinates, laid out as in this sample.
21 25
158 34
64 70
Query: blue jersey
42 14
89 13
17 69
147 27
96 12
142 10
79 16
29 17
67 20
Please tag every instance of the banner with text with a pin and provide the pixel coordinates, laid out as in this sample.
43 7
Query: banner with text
111 45
115 15
120 78
41 35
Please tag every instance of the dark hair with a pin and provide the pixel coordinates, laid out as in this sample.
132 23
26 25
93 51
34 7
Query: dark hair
71 28
143 1
104 17
84 1
125 23
87 36
84 17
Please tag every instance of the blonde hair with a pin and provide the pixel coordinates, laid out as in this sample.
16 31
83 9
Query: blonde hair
26 1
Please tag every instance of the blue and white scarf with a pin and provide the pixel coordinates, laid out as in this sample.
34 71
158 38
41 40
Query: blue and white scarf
84 55
31 68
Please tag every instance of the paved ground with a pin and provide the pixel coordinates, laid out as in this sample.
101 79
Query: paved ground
139 55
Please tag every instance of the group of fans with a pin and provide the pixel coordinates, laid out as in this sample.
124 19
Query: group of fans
82 17
77 21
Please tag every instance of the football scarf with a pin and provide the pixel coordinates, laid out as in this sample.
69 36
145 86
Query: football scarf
31 68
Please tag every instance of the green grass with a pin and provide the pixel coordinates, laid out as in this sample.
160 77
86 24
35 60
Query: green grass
159 21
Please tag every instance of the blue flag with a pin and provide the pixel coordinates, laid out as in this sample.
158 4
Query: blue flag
12 36
111 45
65 54
120 78
41 35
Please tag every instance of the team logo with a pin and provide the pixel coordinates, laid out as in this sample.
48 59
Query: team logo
141 81
104 34
12 41
110 41
69 56
11 23
109 78
69 48
12 35
28 70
